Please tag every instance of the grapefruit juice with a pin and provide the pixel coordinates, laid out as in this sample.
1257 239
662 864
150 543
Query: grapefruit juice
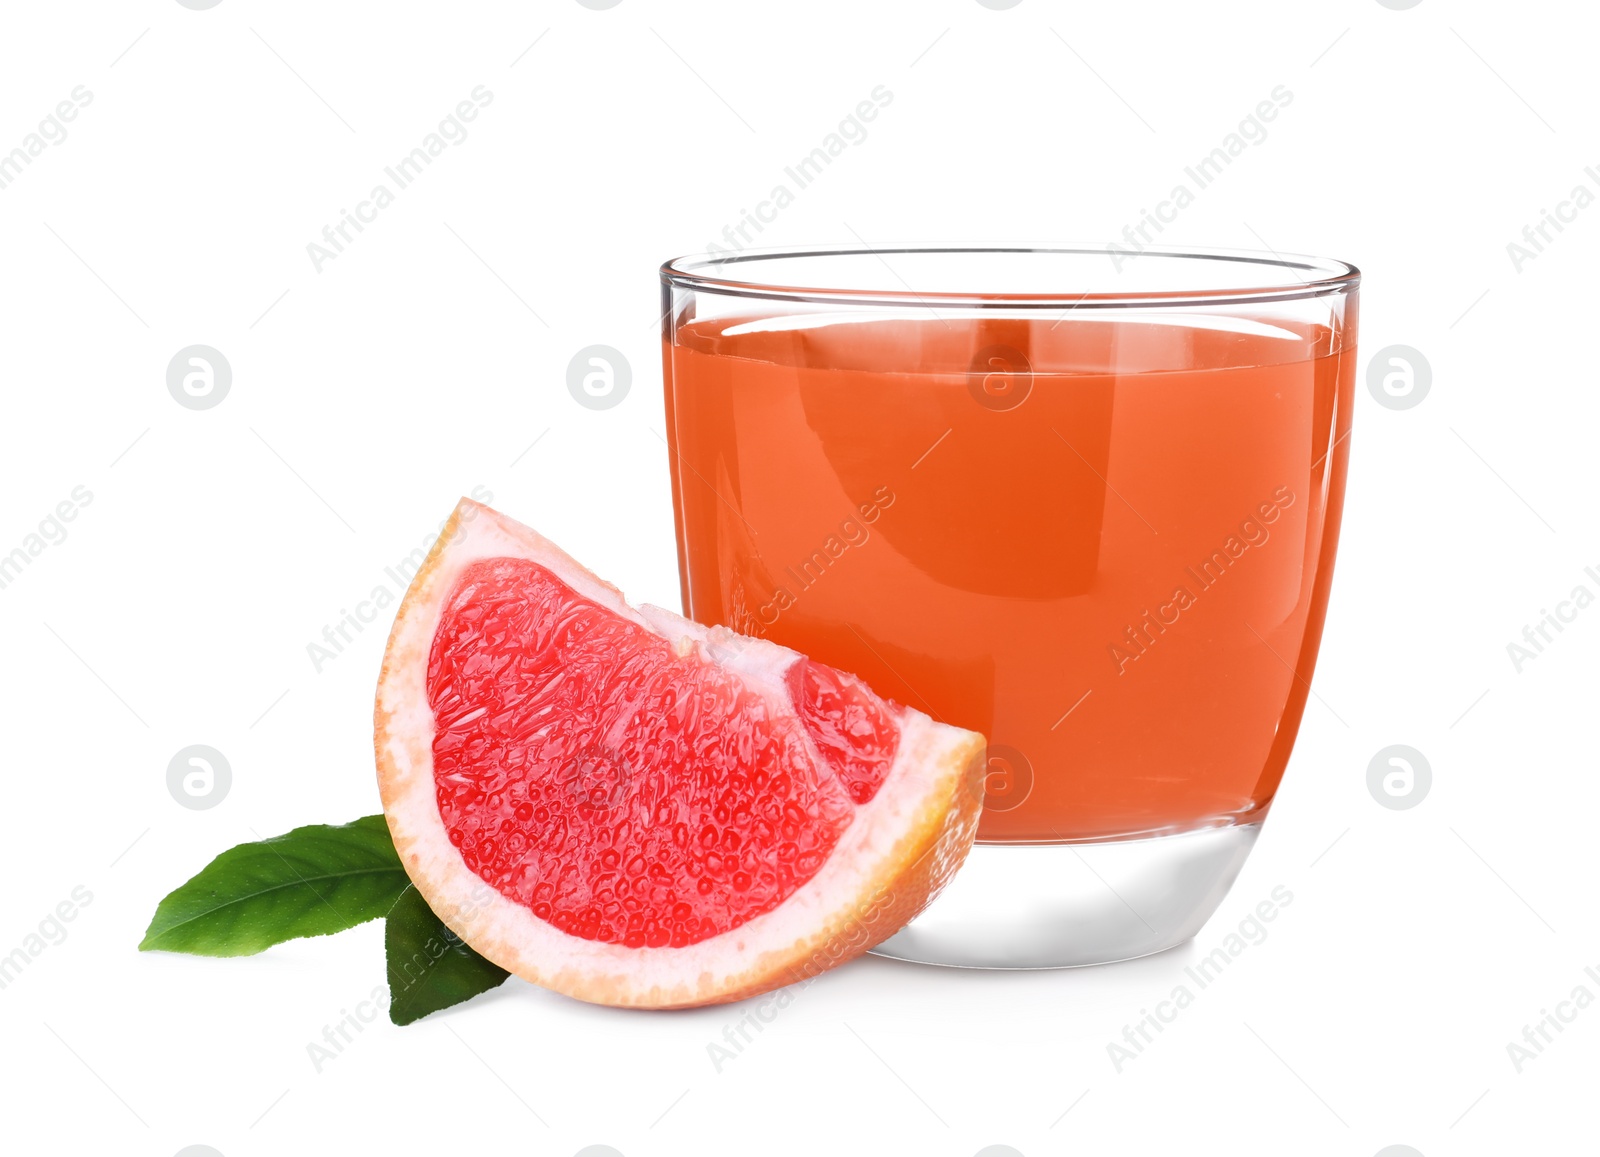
1104 542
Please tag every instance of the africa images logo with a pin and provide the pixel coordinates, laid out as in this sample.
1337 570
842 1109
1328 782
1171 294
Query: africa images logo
452 130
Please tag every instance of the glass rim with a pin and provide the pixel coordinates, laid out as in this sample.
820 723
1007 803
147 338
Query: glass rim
1299 277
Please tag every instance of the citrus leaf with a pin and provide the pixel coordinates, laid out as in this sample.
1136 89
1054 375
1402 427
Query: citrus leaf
430 967
309 882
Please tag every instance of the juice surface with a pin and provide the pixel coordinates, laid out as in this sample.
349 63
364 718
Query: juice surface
1104 544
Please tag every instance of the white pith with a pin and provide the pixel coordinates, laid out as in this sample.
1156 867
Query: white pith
924 779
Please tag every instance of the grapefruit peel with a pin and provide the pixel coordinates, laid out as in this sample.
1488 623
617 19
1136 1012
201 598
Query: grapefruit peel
896 852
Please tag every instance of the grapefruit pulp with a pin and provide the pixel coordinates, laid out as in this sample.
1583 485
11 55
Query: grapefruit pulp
633 809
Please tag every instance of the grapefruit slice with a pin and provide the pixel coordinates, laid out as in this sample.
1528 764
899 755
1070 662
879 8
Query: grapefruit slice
633 809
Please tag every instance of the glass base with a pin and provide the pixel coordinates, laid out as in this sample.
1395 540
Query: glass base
1069 905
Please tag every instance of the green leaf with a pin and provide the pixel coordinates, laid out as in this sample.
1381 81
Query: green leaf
430 967
311 882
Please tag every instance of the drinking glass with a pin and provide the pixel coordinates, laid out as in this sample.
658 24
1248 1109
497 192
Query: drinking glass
1083 500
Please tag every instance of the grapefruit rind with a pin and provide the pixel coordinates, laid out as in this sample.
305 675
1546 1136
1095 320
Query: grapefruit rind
897 853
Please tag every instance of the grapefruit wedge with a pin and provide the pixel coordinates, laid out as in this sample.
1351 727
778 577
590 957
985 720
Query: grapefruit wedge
633 809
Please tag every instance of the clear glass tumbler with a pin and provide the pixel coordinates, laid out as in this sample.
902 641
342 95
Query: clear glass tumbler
1083 501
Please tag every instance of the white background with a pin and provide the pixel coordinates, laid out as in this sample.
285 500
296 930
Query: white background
425 360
